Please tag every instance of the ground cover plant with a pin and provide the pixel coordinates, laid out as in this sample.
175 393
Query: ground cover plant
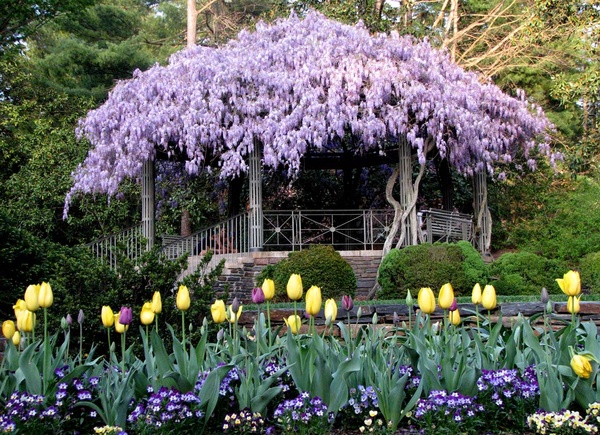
466 374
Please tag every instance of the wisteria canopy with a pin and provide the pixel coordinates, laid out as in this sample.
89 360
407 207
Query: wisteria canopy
297 85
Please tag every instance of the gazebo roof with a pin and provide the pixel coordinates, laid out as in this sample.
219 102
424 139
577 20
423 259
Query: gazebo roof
300 85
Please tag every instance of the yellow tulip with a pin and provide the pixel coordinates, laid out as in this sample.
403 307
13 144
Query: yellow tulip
570 283
19 306
26 322
446 296
16 338
45 296
233 316
147 314
294 287
8 329
476 295
454 317
573 306
581 366
330 310
156 303
183 298
32 295
108 317
119 327
313 300
488 297
268 288
218 312
294 323
426 300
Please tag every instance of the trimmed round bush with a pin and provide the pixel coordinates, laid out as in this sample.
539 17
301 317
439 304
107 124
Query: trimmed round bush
431 265
525 273
589 270
319 265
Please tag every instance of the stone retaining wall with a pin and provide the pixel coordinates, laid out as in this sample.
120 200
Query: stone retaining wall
239 274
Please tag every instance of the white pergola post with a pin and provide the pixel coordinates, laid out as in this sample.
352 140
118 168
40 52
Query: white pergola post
148 203
407 192
482 213
255 212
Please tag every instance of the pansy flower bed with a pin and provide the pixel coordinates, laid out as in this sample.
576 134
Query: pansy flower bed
467 376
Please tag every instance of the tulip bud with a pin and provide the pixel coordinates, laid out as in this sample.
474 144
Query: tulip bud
570 283
358 313
258 296
107 316
454 305
581 366
454 317
488 297
446 296
375 319
80 317
45 296
544 296
16 338
573 306
409 299
32 295
294 287
147 314
234 315
63 323
156 303
549 307
125 316
218 311
183 298
313 300
119 327
347 302
69 320
8 329
235 304
330 310
220 335
396 319
293 322
426 300
268 288
476 295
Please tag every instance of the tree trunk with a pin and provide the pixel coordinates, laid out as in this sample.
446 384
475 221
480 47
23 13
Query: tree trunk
186 223
444 177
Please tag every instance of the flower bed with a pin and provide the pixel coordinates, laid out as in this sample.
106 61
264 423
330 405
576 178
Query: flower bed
465 373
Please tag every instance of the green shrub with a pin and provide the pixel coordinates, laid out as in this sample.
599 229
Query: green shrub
428 265
320 265
525 273
589 270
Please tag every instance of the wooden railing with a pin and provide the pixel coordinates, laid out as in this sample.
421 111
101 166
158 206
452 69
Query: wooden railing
292 230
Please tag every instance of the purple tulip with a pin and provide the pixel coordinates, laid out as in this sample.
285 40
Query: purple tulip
454 305
258 296
235 305
80 317
69 320
545 297
347 303
125 316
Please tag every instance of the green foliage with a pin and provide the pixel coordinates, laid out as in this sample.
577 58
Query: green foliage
589 270
428 265
525 273
319 265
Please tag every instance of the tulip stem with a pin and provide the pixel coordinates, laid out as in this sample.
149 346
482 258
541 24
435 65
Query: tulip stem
573 315
81 343
108 333
258 334
46 351
183 328
123 354
269 321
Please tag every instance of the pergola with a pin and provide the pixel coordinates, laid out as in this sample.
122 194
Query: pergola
287 91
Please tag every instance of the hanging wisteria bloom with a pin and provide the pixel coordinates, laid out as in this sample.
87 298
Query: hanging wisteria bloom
309 83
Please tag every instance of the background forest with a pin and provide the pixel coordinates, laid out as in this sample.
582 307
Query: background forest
60 58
